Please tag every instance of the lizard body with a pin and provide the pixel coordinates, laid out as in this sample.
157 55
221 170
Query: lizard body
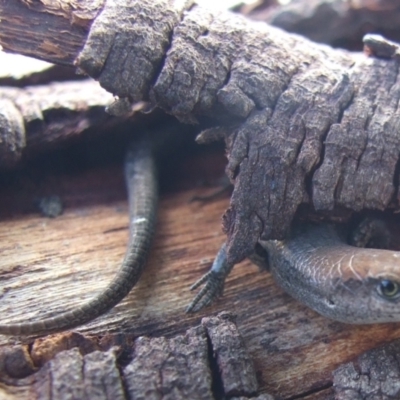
316 266
141 181
346 283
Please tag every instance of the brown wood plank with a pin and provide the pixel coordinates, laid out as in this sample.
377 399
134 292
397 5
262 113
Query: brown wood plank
53 31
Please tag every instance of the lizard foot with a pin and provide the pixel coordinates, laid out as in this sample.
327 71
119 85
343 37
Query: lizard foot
214 282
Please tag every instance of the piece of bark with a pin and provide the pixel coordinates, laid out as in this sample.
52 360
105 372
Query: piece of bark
306 123
16 362
338 23
236 368
304 101
102 379
138 49
374 375
20 361
44 349
40 118
176 368
71 375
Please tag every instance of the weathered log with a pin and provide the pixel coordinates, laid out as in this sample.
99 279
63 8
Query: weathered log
117 369
306 123
268 339
37 119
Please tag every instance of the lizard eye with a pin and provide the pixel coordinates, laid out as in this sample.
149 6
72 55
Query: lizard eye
388 289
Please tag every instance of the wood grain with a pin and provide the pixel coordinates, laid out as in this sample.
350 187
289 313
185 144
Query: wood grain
53 30
50 265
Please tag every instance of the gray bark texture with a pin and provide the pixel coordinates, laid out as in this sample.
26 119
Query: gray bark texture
206 360
375 375
303 123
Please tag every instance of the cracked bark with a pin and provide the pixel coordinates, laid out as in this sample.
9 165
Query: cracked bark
174 368
37 119
374 375
304 123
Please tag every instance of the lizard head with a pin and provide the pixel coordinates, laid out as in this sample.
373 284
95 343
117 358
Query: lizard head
365 287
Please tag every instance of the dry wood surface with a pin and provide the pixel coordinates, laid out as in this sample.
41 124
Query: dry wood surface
303 123
50 265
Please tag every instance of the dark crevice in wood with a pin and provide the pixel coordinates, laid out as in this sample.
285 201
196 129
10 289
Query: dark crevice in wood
344 108
308 180
30 348
396 183
235 373
123 359
217 386
171 35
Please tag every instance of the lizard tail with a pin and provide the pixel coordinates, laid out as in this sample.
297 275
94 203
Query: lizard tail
141 180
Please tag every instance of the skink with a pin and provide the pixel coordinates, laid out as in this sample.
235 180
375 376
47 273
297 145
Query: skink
316 266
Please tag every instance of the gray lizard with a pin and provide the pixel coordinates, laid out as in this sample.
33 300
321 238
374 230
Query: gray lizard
316 266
